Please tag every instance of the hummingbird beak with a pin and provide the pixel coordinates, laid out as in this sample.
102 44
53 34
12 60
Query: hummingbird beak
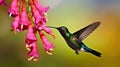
52 27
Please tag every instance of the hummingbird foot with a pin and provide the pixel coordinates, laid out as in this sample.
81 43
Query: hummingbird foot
77 51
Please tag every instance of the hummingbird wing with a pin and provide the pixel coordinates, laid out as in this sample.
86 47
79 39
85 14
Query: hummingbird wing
83 33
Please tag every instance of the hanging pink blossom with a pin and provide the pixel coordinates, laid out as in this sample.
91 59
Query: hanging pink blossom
24 18
47 44
31 42
30 15
14 9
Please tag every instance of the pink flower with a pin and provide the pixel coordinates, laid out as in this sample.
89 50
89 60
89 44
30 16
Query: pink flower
30 37
33 20
40 7
14 9
24 18
2 2
15 24
33 54
31 44
44 28
36 13
47 45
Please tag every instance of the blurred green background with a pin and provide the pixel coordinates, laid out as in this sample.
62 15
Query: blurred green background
75 15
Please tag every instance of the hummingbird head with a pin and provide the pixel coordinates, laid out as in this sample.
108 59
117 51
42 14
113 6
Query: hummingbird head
60 29
63 29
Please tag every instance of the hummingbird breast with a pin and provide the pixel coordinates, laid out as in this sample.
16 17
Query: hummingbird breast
72 43
70 40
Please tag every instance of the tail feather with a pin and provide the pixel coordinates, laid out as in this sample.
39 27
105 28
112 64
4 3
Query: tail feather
93 52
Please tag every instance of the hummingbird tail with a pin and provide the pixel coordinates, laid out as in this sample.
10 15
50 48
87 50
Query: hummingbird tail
93 52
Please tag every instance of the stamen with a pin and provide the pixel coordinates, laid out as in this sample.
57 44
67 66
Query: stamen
28 47
10 14
53 36
22 26
31 58
35 59
49 52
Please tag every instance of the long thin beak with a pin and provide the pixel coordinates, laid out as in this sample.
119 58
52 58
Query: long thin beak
52 27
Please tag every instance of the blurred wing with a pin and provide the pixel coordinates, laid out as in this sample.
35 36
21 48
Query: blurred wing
83 33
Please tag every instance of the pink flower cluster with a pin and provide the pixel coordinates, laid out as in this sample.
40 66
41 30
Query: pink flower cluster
2 2
30 15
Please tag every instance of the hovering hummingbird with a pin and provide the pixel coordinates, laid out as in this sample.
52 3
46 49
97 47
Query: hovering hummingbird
75 40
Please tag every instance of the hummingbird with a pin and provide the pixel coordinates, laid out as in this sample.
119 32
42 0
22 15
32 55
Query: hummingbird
74 40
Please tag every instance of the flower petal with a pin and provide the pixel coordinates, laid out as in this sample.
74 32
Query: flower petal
24 19
47 45
30 37
14 9
33 54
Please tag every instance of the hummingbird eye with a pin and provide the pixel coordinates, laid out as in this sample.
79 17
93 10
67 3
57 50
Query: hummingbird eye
62 28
